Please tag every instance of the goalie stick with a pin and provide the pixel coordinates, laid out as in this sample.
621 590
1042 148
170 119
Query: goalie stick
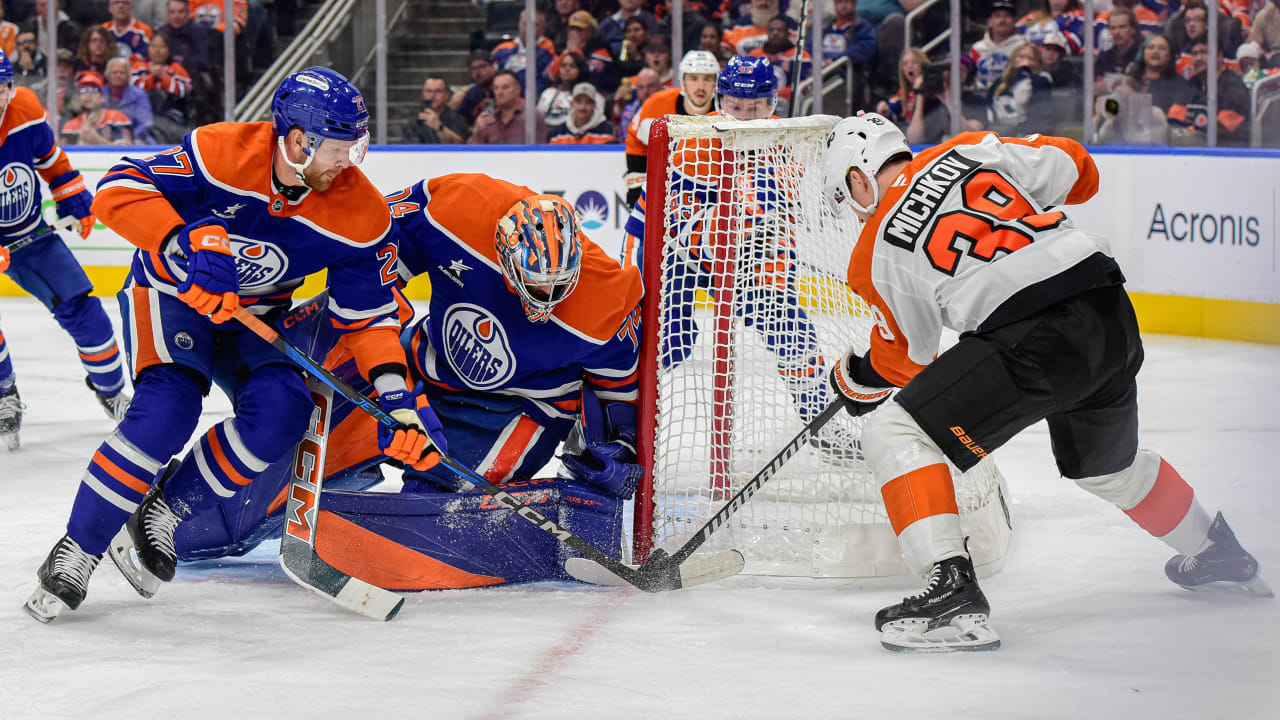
655 577
659 559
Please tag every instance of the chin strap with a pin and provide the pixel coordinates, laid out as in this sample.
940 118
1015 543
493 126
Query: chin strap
297 169
875 196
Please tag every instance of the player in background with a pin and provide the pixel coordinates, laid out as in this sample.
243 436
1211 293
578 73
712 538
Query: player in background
965 236
238 214
35 257
745 90
695 95
531 327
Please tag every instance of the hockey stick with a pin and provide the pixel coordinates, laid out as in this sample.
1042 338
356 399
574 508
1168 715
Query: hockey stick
62 223
659 559
799 66
668 577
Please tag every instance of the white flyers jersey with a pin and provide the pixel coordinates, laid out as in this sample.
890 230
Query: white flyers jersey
965 227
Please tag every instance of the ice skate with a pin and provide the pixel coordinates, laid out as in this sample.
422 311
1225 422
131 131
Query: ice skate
949 615
1224 564
114 405
10 418
143 549
64 581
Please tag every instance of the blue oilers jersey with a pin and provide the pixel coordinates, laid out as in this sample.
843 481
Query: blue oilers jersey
224 170
476 336
27 148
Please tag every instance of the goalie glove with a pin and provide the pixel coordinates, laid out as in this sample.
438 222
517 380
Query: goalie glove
859 399
609 466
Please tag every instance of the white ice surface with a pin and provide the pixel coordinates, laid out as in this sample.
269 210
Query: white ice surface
1091 627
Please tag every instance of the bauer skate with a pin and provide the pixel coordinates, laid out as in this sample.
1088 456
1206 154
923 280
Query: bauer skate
10 418
64 581
114 405
1224 564
949 615
143 549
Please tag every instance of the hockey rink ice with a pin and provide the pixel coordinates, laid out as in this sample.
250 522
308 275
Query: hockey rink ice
1090 626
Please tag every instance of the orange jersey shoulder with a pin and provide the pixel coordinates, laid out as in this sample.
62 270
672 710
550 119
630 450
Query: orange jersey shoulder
606 294
469 206
660 104
23 108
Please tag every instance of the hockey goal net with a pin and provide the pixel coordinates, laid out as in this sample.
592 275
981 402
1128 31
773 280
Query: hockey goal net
745 308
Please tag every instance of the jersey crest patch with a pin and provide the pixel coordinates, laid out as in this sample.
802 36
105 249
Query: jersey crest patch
17 193
476 347
258 264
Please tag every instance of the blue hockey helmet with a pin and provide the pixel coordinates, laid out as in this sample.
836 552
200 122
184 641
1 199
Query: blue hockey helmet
325 106
748 78
6 69
540 250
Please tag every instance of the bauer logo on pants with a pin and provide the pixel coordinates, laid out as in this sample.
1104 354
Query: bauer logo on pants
476 347
17 193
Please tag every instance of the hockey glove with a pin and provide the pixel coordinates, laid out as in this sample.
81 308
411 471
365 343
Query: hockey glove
609 466
419 440
4 258
859 399
212 286
72 199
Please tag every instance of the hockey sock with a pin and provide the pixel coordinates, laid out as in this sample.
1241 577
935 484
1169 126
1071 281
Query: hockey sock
922 509
1170 511
6 367
216 467
84 319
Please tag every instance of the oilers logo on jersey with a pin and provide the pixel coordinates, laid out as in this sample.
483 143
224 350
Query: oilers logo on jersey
476 347
258 264
17 193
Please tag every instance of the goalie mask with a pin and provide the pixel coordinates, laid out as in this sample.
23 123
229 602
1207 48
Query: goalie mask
540 251
864 142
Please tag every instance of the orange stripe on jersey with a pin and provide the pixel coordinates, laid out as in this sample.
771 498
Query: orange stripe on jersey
362 553
144 348
141 217
372 347
919 494
95 357
611 383
157 264
512 450
224 462
660 104
123 477
353 325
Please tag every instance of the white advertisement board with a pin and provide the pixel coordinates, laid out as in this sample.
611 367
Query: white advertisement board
1185 224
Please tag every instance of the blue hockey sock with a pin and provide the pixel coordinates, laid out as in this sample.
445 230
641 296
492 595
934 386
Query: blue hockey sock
85 321
117 478
6 367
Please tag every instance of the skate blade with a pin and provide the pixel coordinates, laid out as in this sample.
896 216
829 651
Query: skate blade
125 556
966 633
44 606
1254 587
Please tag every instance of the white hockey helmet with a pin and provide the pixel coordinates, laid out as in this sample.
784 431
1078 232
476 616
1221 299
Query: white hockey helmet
699 62
865 142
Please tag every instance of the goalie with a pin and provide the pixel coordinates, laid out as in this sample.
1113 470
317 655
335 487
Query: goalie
531 332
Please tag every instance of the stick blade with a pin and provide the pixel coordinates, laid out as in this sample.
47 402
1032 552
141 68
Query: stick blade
308 570
659 575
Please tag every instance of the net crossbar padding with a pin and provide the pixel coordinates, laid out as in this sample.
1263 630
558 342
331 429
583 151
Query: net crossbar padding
746 305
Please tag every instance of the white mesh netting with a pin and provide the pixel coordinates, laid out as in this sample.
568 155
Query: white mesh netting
753 307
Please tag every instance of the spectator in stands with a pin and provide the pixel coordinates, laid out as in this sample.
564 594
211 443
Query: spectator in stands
29 62
1146 23
752 30
898 107
635 38
68 31
584 39
1265 31
1249 57
556 102
1154 75
96 124
711 39
68 97
1122 25
614 29
131 35
8 36
482 70
630 96
436 123
586 124
1191 24
168 87
1063 17
129 99
188 42
1053 51
1233 103
1129 122
97 46
501 122
930 113
511 54
657 57
151 12
849 35
991 54
557 26
1017 104
782 55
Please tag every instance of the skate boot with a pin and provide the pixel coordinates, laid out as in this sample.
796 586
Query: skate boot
143 549
950 615
115 405
64 581
10 417
1224 564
